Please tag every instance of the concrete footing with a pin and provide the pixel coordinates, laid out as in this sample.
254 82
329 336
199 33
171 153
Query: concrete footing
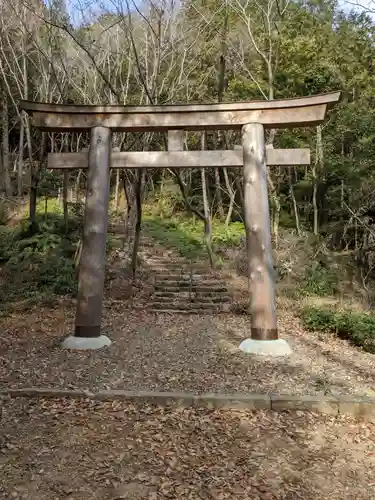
274 348
73 342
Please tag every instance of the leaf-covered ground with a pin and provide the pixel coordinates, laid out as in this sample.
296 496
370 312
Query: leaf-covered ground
85 450
167 353
89 450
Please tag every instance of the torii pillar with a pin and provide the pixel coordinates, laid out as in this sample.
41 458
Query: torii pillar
87 334
264 334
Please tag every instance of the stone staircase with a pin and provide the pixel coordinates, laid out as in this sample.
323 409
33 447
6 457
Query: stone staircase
183 287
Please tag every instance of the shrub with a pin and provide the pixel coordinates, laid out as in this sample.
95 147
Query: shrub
319 319
4 213
358 328
41 263
319 280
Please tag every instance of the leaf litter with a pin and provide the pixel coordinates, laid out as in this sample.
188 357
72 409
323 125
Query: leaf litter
177 353
89 450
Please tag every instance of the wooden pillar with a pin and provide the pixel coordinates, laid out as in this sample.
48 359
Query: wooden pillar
259 247
92 265
176 140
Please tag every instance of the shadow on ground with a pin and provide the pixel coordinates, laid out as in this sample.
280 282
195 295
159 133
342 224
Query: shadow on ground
85 450
177 353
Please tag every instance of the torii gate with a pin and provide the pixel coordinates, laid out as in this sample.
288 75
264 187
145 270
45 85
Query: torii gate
252 117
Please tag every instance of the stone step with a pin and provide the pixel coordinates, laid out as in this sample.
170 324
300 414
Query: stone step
206 289
182 311
188 284
185 294
186 306
180 270
172 264
193 300
182 276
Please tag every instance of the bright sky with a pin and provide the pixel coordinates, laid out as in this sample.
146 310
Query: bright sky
84 9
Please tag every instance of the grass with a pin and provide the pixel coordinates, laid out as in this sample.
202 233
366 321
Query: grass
358 328
186 235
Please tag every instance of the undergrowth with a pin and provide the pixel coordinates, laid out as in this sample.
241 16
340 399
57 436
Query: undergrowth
36 267
320 280
358 328
186 236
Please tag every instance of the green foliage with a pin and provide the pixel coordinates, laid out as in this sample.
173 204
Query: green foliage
174 235
49 184
227 236
40 264
319 319
358 328
186 235
8 238
320 280
3 213
167 201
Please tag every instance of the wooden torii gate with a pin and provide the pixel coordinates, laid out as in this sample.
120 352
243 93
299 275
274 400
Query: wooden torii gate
252 117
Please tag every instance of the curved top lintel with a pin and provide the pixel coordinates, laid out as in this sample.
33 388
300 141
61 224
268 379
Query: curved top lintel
285 113
329 99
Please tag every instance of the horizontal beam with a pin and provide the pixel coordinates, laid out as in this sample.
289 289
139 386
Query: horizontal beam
180 159
285 113
329 99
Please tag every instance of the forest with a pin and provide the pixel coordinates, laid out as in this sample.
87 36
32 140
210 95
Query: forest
124 52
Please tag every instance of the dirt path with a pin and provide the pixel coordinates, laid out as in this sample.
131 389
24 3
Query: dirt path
82 450
173 353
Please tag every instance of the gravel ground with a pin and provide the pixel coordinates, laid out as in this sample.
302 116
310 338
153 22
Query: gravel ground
85 450
174 353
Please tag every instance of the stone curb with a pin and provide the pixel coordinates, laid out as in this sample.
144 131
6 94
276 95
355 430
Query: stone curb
359 407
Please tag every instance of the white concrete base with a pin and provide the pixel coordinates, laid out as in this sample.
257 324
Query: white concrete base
73 342
274 348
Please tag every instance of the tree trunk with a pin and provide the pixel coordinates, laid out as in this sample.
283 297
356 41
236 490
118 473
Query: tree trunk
129 206
220 94
207 219
20 158
34 182
6 177
117 190
294 203
78 179
317 166
206 208
138 223
218 194
116 149
276 207
231 197
78 182
240 188
65 186
23 117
